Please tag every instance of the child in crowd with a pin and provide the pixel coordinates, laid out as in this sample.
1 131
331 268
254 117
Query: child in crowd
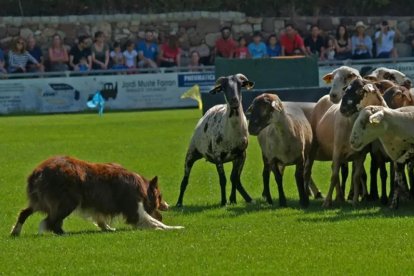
242 51
117 57
330 49
83 65
257 48
130 55
273 47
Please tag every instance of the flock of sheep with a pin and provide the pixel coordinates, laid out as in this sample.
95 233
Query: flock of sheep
371 114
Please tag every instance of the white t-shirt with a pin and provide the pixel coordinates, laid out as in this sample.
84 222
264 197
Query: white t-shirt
385 43
130 58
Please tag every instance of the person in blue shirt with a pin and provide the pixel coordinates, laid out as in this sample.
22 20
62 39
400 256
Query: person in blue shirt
257 48
147 51
273 47
2 63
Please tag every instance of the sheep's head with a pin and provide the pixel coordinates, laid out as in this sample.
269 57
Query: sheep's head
231 87
261 112
398 96
367 127
358 94
339 78
393 75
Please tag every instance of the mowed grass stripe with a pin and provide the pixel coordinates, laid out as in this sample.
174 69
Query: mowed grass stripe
239 239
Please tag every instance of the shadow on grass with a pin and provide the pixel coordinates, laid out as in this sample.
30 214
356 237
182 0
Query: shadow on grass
339 212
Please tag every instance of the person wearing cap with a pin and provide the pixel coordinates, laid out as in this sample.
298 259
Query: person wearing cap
225 45
384 39
361 43
257 49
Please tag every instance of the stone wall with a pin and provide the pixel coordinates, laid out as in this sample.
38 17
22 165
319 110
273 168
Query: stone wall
193 28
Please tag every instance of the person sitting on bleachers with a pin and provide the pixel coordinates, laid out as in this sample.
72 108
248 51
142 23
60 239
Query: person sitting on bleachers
58 55
130 55
147 51
100 52
2 63
117 57
79 52
35 51
19 57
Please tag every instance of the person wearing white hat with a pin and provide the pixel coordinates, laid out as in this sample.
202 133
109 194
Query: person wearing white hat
361 43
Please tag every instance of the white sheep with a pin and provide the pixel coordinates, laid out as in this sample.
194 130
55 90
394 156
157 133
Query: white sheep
395 129
285 136
221 136
340 78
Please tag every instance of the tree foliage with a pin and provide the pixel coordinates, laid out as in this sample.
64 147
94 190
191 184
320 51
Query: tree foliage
250 7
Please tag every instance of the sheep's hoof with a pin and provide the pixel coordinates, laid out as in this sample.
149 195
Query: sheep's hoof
384 200
223 203
251 202
304 203
282 203
340 199
179 204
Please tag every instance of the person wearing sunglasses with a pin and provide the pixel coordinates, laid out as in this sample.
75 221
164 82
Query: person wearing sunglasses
19 58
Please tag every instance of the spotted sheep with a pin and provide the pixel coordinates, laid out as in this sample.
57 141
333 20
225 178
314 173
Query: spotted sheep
221 136
394 128
285 135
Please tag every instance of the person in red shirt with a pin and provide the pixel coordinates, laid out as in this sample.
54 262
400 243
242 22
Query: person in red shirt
225 46
292 42
242 51
170 53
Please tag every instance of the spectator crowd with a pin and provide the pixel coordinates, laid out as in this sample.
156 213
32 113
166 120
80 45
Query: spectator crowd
24 55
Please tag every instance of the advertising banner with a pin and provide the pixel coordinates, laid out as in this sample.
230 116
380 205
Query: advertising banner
70 94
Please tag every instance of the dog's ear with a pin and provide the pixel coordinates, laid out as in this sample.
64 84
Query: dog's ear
153 184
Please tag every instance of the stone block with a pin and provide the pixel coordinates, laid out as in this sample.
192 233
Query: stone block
211 38
208 25
268 24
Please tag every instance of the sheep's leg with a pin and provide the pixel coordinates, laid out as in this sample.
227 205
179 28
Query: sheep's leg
334 183
363 181
410 168
309 183
222 177
384 176
279 181
238 164
303 195
24 214
344 176
266 175
190 159
392 179
398 185
358 168
373 194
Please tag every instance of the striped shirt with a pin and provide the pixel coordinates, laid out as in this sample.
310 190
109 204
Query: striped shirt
17 60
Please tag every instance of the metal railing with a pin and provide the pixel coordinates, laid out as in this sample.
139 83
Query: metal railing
68 74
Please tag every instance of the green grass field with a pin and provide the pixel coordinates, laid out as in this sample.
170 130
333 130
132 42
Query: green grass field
238 239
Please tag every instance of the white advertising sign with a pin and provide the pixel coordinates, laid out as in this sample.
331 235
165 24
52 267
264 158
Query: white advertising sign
70 94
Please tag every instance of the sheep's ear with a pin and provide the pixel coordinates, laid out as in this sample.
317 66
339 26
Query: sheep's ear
217 87
328 78
376 118
248 84
277 105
